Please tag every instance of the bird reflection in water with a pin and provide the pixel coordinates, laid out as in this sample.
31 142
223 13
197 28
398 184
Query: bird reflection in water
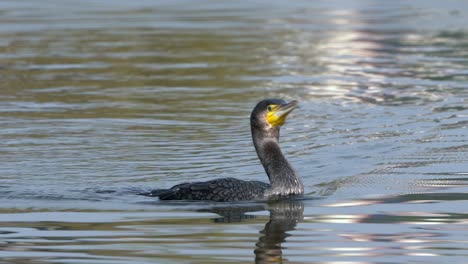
284 216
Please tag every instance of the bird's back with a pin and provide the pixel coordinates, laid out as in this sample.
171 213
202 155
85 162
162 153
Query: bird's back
220 190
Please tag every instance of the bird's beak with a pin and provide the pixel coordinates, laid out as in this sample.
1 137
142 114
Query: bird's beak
278 113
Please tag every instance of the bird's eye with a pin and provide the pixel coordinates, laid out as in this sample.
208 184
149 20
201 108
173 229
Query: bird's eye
269 108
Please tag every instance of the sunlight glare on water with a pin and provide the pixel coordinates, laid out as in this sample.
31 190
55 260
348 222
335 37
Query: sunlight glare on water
101 101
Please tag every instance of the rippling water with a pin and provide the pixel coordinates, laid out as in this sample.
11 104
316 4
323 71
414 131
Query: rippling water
100 100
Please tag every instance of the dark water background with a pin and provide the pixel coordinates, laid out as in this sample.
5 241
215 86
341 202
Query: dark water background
102 99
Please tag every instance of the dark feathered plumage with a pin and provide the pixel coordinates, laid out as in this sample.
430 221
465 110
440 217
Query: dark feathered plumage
219 190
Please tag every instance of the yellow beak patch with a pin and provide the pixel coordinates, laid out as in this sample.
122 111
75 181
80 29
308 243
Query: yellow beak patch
277 113
275 117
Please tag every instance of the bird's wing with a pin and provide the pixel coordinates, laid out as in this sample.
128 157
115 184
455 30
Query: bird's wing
221 190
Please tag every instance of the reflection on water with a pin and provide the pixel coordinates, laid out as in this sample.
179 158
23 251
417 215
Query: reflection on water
99 102
284 216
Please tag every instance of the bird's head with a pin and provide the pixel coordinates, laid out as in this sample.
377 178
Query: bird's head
270 114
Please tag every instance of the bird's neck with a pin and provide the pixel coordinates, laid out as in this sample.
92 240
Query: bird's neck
283 179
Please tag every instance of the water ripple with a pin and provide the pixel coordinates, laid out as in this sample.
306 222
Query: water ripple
99 102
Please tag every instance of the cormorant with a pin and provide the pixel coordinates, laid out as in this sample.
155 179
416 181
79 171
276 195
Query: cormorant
265 122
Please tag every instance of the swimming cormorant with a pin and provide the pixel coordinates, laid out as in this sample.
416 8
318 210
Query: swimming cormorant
265 122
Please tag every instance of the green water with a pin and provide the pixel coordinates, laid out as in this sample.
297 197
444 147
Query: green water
100 100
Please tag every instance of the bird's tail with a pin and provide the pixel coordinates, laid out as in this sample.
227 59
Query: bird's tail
154 193
167 194
163 194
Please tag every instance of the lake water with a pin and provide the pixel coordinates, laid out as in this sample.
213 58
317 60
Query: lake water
100 100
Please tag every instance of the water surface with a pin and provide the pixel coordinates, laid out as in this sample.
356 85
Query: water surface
99 101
